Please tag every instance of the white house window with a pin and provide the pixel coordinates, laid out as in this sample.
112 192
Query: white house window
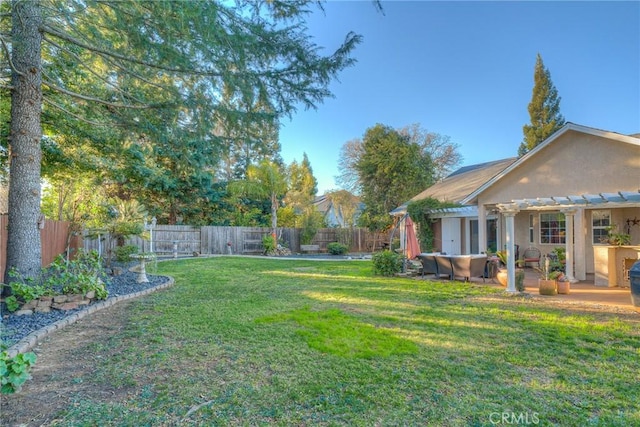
600 222
552 228
531 231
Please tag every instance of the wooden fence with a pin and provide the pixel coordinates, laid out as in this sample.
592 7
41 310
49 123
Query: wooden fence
189 240
54 238
238 240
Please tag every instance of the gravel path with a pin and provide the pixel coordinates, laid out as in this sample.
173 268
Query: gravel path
14 328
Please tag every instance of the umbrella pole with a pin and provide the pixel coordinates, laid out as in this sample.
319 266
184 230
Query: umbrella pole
406 249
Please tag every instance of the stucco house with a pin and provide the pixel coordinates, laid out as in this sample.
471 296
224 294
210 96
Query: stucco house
568 191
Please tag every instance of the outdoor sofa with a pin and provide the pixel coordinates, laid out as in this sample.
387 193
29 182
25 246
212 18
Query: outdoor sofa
452 266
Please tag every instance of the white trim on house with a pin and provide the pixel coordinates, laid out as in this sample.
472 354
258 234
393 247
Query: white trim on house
458 212
600 201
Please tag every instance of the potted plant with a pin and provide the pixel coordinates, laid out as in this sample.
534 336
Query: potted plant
546 285
563 285
502 275
616 239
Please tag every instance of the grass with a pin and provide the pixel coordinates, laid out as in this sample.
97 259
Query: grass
240 341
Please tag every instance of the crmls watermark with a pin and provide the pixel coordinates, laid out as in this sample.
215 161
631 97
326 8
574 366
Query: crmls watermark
513 418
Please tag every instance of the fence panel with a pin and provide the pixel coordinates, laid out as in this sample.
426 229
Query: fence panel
187 238
215 240
244 240
54 239
252 239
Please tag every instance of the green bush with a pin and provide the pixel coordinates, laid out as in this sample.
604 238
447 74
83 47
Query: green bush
79 276
23 292
311 222
25 289
269 244
336 248
520 280
123 253
386 263
14 371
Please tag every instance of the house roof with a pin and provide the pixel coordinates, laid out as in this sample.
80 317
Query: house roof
322 203
457 186
473 196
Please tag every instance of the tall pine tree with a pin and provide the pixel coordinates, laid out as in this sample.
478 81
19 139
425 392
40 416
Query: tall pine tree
164 76
544 110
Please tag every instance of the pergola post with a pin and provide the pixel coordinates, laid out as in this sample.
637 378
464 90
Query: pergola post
569 215
509 212
482 229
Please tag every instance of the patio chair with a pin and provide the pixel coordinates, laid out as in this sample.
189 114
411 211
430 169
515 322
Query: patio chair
468 266
532 255
444 266
429 265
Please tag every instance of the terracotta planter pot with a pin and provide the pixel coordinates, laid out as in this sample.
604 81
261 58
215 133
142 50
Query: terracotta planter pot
564 287
547 287
502 277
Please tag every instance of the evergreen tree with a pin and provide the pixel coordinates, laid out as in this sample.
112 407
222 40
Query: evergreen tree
163 76
544 110
391 170
303 186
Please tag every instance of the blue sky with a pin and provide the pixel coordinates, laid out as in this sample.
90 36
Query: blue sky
465 70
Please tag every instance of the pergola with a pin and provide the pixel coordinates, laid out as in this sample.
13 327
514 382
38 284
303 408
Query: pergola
568 205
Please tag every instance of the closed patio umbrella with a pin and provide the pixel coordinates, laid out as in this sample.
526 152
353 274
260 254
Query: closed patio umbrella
412 246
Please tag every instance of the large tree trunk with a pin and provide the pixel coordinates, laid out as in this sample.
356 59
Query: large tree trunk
23 237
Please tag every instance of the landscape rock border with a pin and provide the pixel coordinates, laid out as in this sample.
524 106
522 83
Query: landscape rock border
30 341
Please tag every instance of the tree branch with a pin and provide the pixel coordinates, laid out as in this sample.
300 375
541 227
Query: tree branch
6 51
66 37
89 68
92 99
76 116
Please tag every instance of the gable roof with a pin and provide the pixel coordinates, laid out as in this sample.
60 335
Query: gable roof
333 215
458 185
472 197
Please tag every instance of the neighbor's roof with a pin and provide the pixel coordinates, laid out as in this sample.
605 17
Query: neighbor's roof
461 183
322 203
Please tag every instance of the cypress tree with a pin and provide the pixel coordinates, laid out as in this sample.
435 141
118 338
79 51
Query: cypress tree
544 110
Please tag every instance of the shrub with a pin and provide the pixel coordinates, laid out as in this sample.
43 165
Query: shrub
311 222
269 244
23 292
123 253
12 303
79 276
386 263
336 248
14 371
520 280
25 289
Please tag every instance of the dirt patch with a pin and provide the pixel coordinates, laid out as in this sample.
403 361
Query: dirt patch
64 358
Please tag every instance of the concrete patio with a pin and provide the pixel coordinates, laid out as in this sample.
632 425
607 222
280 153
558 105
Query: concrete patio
582 292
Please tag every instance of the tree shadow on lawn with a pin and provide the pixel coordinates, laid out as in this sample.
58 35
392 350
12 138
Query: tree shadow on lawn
440 345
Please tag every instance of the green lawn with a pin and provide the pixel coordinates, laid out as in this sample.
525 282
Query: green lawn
245 341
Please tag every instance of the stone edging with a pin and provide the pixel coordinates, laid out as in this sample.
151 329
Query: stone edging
30 341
